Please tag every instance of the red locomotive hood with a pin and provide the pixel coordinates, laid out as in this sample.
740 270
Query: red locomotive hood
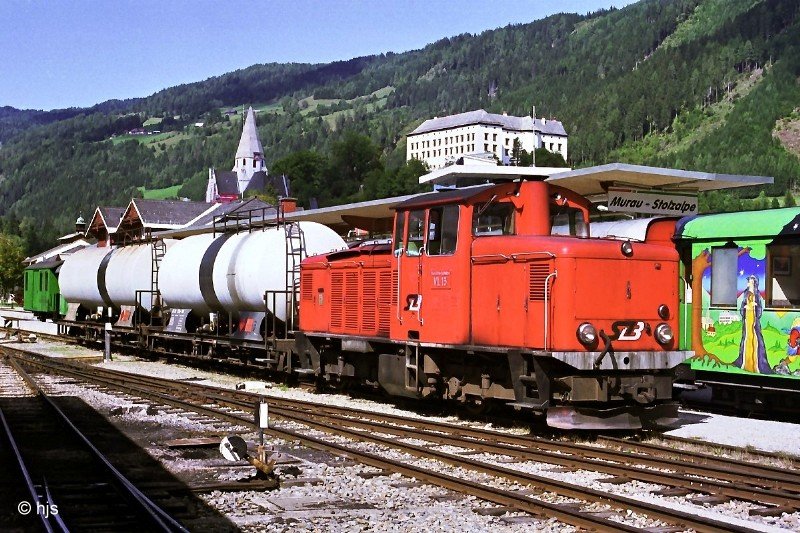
573 247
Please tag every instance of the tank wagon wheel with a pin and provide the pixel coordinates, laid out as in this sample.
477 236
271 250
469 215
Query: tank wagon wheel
478 407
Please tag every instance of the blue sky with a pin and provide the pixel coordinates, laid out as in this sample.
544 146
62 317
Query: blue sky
63 53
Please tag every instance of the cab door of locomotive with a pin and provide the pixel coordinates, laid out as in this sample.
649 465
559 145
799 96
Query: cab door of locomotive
430 305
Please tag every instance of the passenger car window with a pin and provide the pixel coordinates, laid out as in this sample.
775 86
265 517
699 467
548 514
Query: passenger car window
724 269
784 283
442 230
493 219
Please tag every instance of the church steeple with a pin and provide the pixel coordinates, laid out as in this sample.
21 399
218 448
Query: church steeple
249 146
250 154
249 163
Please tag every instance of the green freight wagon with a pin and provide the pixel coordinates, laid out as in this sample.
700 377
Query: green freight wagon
41 295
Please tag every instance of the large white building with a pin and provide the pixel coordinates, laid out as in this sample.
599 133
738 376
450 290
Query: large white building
441 141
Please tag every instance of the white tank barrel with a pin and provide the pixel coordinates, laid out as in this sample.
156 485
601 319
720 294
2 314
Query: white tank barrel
130 269
232 272
77 279
109 276
178 278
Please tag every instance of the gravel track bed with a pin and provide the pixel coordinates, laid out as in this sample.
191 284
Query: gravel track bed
422 507
343 501
11 384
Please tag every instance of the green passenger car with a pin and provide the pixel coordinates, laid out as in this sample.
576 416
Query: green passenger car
41 294
741 305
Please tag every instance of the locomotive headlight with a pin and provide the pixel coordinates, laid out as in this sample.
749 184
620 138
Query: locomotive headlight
663 312
664 333
626 248
587 334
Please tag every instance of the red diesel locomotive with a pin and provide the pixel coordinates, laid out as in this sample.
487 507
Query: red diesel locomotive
497 294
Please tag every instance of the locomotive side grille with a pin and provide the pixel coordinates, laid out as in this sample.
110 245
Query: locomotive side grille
537 282
394 287
387 294
351 304
337 300
369 302
306 286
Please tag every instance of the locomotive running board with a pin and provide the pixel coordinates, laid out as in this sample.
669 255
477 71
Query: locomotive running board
623 418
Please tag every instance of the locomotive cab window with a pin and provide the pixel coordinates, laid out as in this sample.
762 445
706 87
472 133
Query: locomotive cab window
725 268
493 219
416 233
442 230
783 289
399 226
567 220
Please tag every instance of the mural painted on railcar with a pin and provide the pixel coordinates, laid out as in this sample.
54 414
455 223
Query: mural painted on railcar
748 320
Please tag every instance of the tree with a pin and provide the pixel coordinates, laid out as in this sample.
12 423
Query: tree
516 152
11 256
395 181
352 159
788 200
546 158
306 171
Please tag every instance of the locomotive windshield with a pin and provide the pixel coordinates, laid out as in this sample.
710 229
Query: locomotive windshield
493 219
566 220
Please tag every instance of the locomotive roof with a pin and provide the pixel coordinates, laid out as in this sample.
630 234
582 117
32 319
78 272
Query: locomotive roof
444 196
769 223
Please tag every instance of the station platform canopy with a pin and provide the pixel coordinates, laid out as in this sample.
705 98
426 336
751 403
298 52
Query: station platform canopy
374 216
465 175
595 181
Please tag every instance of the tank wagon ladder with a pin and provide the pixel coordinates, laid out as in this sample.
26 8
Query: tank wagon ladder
295 253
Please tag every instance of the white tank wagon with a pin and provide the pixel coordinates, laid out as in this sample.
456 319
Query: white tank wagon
109 276
232 272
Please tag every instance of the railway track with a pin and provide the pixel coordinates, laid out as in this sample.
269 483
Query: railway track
698 477
70 483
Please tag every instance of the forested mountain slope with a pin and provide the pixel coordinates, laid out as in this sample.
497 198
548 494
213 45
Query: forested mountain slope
698 84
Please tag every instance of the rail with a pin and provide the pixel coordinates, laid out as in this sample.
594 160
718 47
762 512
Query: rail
783 491
156 516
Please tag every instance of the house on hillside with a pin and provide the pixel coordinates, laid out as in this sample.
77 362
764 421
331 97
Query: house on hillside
249 171
440 141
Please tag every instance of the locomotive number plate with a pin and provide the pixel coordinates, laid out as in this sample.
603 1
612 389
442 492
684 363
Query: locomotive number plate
441 279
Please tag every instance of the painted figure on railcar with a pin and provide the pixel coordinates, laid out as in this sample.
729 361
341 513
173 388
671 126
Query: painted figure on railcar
752 352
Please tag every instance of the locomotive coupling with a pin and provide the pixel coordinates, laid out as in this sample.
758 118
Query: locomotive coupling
606 349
